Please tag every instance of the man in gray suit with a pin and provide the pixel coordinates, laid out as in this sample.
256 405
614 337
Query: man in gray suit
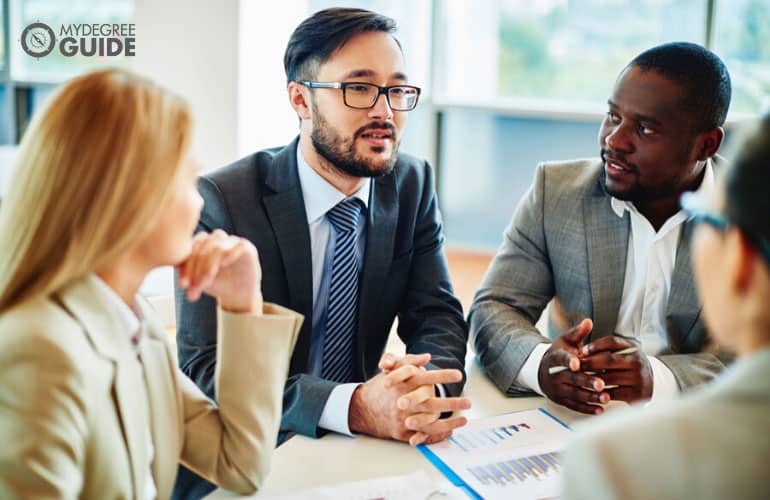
713 443
606 239
349 234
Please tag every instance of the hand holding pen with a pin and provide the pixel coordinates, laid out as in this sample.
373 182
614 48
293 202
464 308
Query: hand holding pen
582 377
558 368
624 368
572 388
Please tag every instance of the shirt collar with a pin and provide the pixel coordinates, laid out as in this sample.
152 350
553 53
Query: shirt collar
319 195
130 322
706 186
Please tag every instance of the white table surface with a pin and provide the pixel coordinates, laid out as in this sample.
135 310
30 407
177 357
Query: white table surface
303 462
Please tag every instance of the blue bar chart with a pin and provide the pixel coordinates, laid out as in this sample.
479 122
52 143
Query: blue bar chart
515 455
519 470
493 436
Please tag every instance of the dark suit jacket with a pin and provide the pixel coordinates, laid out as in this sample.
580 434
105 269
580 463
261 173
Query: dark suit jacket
404 273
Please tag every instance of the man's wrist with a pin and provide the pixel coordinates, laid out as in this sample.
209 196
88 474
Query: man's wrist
334 416
357 412
664 384
529 375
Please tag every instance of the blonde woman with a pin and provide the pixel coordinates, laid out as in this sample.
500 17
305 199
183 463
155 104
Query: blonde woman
91 402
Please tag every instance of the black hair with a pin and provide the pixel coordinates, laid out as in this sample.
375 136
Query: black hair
703 75
320 35
747 201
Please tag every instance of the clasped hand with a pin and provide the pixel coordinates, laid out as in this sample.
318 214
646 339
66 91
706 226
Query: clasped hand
596 374
401 402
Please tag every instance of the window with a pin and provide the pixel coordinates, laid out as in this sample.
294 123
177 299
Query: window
27 81
56 67
2 38
6 132
488 163
523 81
742 39
562 54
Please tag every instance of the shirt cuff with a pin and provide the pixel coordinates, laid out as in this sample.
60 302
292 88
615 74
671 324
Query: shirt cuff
335 414
664 385
527 376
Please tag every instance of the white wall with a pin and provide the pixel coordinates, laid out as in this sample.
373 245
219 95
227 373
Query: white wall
226 59
265 118
191 46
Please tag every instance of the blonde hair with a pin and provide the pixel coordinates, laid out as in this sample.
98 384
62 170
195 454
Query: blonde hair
94 168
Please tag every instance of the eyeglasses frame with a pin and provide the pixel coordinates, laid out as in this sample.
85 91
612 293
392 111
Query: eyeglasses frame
380 90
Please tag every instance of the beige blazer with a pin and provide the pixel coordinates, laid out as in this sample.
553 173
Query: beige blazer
75 405
713 444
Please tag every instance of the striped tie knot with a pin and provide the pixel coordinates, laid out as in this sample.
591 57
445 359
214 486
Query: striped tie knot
344 215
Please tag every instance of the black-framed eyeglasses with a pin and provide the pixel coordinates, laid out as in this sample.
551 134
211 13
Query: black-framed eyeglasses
362 95
694 206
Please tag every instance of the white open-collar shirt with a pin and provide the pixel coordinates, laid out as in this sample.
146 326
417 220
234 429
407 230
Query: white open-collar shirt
649 265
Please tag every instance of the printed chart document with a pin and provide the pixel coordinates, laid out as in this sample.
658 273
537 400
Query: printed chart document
515 455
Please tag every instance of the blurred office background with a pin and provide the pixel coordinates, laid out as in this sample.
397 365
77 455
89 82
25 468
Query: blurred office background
506 83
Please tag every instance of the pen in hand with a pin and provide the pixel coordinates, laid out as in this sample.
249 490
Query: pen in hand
558 369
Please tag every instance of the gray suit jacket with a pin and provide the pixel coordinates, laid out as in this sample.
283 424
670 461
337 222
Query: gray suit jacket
566 242
713 444
404 273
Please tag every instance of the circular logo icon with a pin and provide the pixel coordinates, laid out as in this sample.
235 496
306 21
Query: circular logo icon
38 39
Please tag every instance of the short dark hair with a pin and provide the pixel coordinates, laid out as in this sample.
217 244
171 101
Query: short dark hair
747 203
320 35
703 75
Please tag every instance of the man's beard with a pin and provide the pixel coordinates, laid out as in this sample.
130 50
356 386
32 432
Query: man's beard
638 193
342 154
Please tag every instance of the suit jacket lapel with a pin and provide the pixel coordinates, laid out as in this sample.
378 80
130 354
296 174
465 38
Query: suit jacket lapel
285 208
683 299
607 245
684 306
380 235
94 312
128 388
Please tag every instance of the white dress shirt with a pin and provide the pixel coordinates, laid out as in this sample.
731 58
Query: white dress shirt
132 324
320 197
649 265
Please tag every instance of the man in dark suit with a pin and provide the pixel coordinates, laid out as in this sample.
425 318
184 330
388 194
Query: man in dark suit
349 234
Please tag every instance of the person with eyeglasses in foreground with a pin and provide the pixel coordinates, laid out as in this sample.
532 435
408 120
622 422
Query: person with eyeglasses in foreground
92 404
351 231
713 443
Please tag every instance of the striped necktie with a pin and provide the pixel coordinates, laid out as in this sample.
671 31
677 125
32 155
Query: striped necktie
342 305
